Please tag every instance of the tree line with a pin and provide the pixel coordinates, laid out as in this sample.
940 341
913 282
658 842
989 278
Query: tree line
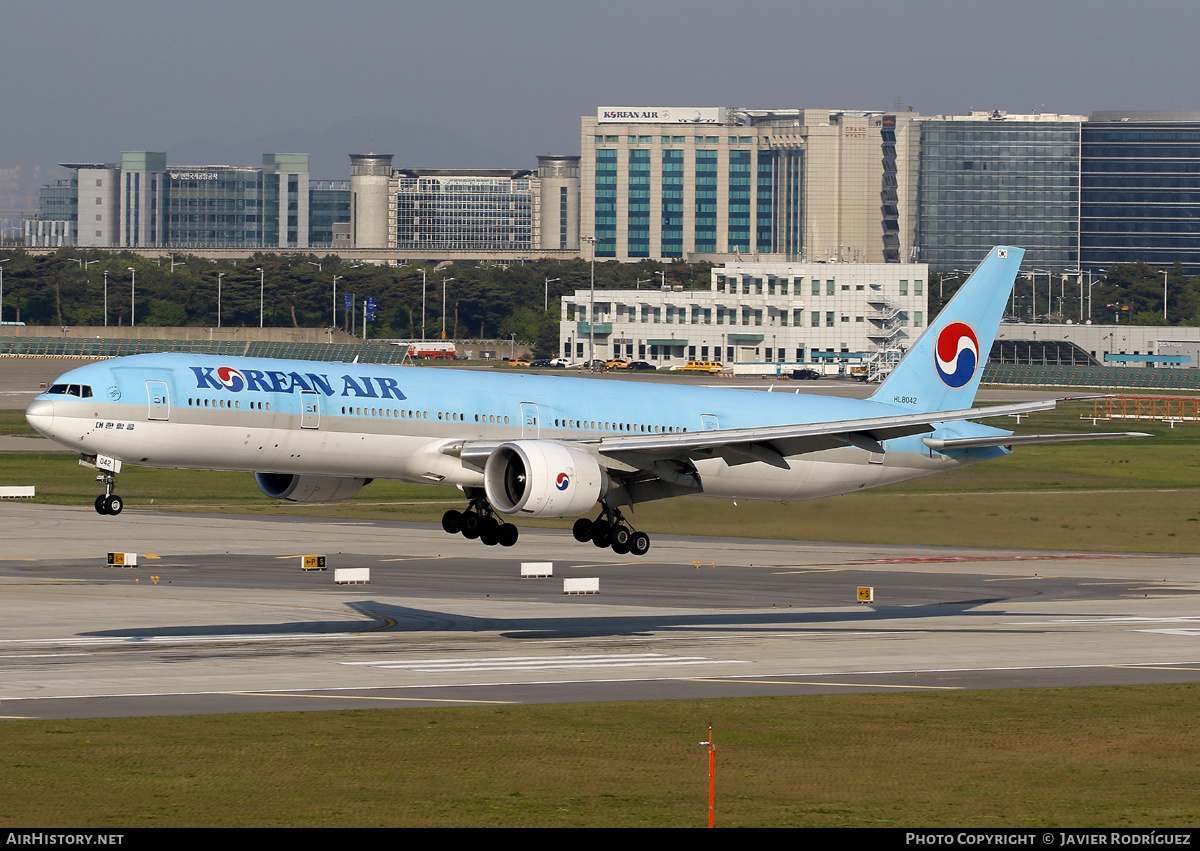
1127 294
481 301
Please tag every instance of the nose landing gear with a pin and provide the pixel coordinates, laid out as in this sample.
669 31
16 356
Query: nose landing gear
108 502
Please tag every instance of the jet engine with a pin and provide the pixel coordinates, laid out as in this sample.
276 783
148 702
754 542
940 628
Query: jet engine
539 478
293 488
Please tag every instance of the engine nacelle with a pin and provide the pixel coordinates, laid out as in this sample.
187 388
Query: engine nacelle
292 488
539 478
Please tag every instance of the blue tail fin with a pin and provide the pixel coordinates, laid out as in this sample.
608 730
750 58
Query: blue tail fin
942 371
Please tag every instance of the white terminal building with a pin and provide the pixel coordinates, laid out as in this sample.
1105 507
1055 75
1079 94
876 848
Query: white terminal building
758 317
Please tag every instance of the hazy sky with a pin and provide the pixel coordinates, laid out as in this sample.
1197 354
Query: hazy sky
457 83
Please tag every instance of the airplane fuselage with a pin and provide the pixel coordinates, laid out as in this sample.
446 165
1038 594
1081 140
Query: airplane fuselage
373 421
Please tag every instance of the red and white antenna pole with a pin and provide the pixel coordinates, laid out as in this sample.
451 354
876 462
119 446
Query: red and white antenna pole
712 778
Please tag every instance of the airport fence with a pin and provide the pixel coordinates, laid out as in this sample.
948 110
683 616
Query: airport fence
94 348
1101 377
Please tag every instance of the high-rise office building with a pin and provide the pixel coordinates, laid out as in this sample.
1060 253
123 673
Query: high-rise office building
990 178
1141 190
714 183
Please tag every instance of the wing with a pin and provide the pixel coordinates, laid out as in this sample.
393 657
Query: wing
772 444
669 455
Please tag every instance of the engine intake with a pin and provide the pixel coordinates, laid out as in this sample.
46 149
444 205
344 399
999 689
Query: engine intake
292 488
539 478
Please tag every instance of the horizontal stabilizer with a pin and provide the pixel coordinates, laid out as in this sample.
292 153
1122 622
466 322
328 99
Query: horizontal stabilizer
1011 439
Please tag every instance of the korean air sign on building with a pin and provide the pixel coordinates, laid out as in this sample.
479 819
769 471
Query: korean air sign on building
660 115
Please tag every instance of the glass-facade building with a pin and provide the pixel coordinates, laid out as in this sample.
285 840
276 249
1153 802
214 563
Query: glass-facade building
1141 190
489 210
214 206
994 179
711 183
671 196
208 207
328 205
57 217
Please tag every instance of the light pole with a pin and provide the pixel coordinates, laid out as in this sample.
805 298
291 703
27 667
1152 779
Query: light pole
261 279
1078 272
1090 285
336 278
132 291
422 305
1049 294
220 275
546 300
592 301
2 262
1164 274
84 265
444 280
105 297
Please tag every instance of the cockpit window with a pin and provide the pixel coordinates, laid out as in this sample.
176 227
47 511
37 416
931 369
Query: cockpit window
83 391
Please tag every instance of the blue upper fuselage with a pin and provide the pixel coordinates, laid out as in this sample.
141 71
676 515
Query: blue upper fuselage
465 400
122 381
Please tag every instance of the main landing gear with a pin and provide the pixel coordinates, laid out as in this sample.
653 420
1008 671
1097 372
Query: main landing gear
611 530
108 502
479 521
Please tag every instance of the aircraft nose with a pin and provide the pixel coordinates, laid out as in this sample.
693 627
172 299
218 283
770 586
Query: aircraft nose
40 415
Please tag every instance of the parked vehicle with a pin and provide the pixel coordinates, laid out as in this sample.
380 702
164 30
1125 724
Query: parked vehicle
705 366
805 374
641 365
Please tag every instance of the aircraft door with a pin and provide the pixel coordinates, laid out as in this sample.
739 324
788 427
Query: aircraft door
310 409
708 422
159 400
529 420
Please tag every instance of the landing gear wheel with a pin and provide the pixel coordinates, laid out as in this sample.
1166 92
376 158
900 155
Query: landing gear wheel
113 504
489 531
620 535
639 543
582 530
620 548
452 521
100 509
470 525
508 535
601 532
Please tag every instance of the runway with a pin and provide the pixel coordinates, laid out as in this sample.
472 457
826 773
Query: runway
218 617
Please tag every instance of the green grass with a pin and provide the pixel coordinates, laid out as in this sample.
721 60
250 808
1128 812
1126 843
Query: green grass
1115 757
13 424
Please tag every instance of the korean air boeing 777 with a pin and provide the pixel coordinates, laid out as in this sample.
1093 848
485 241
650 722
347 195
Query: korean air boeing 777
540 446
